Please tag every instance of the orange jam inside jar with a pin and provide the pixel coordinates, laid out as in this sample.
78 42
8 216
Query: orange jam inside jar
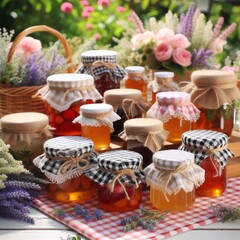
176 111
103 66
119 177
64 163
97 123
173 177
211 153
136 80
64 95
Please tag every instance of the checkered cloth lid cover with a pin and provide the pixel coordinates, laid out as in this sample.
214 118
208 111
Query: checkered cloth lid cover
173 104
173 170
200 142
110 163
135 69
117 73
65 148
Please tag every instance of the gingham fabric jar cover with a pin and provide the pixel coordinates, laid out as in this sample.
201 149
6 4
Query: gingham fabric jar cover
173 104
204 143
66 157
173 170
98 62
64 89
97 115
114 164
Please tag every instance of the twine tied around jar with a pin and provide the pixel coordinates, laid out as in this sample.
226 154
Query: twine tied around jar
108 65
166 82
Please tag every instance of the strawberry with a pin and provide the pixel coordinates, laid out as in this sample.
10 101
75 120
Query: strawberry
133 203
86 182
71 185
69 114
58 119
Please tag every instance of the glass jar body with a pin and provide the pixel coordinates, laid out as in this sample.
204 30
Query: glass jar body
116 201
177 202
215 179
79 189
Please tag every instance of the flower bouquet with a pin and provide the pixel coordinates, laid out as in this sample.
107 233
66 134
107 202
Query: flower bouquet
25 66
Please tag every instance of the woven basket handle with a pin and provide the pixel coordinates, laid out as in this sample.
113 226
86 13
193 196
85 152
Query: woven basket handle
43 28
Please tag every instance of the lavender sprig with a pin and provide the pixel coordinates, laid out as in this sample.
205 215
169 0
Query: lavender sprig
200 58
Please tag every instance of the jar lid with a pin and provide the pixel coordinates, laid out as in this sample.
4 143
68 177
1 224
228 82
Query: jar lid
25 121
98 55
171 98
164 74
134 69
96 108
205 143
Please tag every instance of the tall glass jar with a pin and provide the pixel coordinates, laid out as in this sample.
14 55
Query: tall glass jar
119 177
25 133
214 93
127 103
163 82
97 123
64 94
177 113
145 136
102 65
211 153
136 80
173 177
64 163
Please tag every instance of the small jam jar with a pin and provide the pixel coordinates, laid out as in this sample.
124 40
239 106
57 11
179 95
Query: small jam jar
145 136
136 80
119 176
25 133
102 65
64 94
173 177
127 103
176 111
97 123
211 153
64 163
215 94
163 82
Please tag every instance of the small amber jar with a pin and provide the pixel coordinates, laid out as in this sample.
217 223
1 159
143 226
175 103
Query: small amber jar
176 111
64 95
214 93
173 177
103 66
211 153
145 136
64 163
127 103
119 177
97 123
136 80
25 133
163 82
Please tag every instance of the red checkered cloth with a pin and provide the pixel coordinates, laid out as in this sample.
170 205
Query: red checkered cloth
109 227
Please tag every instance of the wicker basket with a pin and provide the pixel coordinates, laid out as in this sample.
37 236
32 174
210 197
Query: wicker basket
19 99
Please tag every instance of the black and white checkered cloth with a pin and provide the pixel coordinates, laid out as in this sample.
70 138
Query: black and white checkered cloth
204 140
109 163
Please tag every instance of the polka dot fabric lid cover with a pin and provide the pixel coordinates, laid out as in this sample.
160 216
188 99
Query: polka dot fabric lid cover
111 163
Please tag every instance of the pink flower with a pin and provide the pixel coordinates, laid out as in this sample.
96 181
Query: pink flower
141 39
230 69
163 51
104 3
96 36
85 14
88 9
84 3
182 57
121 9
217 45
179 41
66 7
89 26
164 34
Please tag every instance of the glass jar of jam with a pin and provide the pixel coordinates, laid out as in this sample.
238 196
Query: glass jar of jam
145 136
127 103
64 163
211 153
173 177
136 80
163 82
102 65
214 93
25 133
176 111
64 94
119 176
97 123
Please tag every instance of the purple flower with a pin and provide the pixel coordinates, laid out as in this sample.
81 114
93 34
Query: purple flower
98 214
200 58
